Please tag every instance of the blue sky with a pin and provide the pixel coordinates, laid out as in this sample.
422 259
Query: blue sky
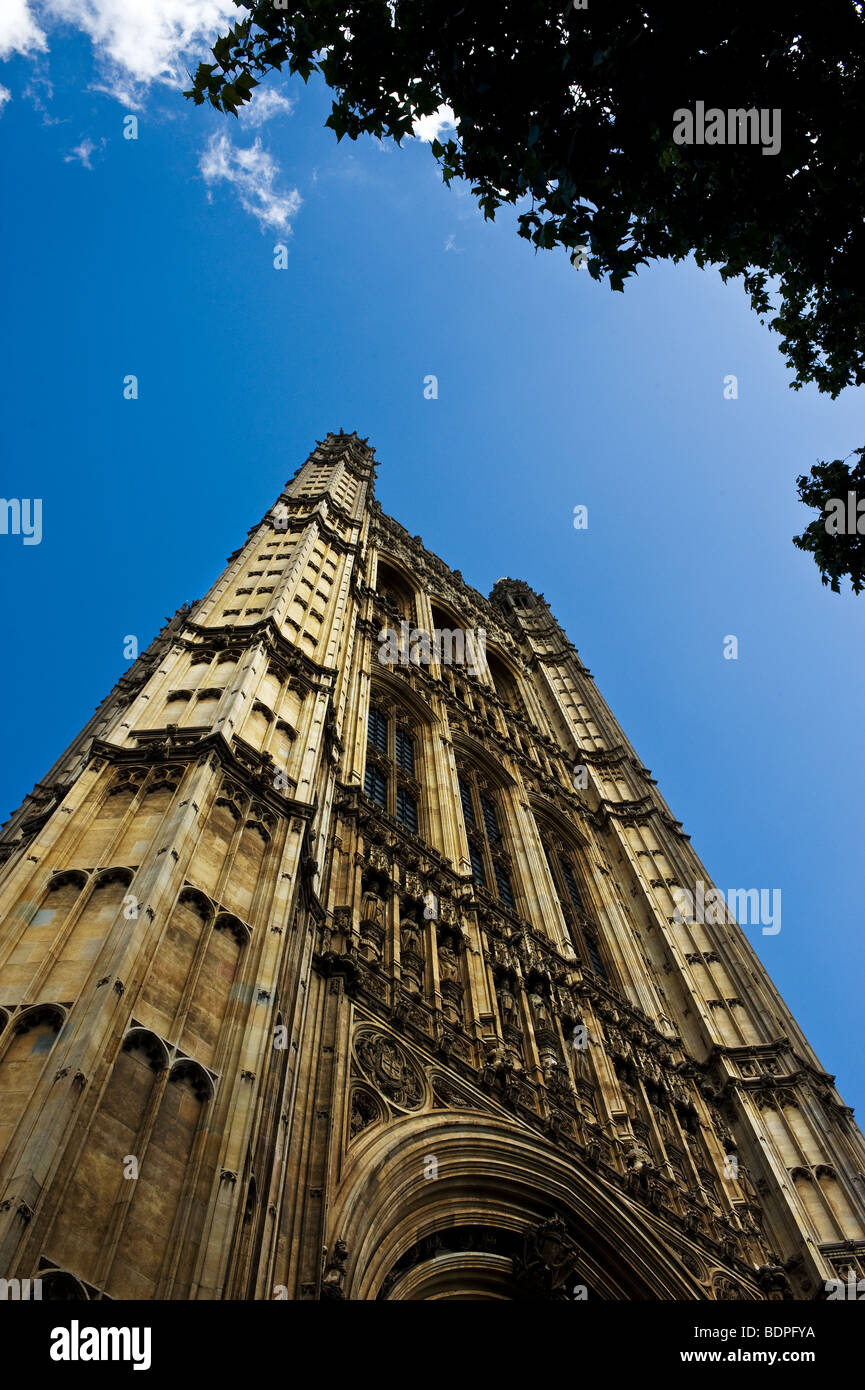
155 257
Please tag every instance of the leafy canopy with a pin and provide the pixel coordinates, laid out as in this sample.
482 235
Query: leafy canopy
568 115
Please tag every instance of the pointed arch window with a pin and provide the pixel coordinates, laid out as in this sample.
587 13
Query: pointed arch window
394 599
506 685
391 761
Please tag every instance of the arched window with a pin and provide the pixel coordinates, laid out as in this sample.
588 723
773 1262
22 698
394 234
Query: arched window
506 685
395 599
583 931
391 761
487 854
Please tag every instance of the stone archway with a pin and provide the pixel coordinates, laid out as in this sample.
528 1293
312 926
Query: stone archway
496 1185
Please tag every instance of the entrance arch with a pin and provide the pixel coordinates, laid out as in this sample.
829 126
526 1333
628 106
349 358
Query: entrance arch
466 1232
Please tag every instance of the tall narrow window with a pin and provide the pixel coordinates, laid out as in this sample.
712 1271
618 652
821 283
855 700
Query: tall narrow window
491 822
567 886
595 956
405 752
375 786
406 808
377 729
503 883
391 767
571 885
487 855
477 863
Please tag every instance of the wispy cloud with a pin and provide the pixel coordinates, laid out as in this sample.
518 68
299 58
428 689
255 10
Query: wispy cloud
5 95
266 103
252 173
39 91
84 153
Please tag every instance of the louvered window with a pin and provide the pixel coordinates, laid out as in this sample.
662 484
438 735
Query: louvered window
405 752
376 732
571 885
490 820
406 808
466 799
594 957
503 883
375 786
477 861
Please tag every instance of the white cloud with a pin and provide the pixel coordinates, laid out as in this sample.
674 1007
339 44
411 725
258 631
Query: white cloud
429 128
19 32
138 41
83 153
252 172
5 95
266 103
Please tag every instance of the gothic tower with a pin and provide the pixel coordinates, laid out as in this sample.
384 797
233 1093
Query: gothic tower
342 957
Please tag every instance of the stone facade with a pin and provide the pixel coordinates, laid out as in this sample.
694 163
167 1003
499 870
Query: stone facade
326 977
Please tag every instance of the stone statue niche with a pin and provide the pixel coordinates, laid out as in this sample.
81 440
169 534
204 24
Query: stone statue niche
450 974
578 1039
546 1038
373 905
411 946
506 994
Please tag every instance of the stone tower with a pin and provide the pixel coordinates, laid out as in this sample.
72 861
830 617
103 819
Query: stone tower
342 957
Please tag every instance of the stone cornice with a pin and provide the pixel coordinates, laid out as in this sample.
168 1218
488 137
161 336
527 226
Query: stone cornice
613 757
267 634
297 526
634 813
310 502
157 747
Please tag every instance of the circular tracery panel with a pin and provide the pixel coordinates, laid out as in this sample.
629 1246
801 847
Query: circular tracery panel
388 1067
